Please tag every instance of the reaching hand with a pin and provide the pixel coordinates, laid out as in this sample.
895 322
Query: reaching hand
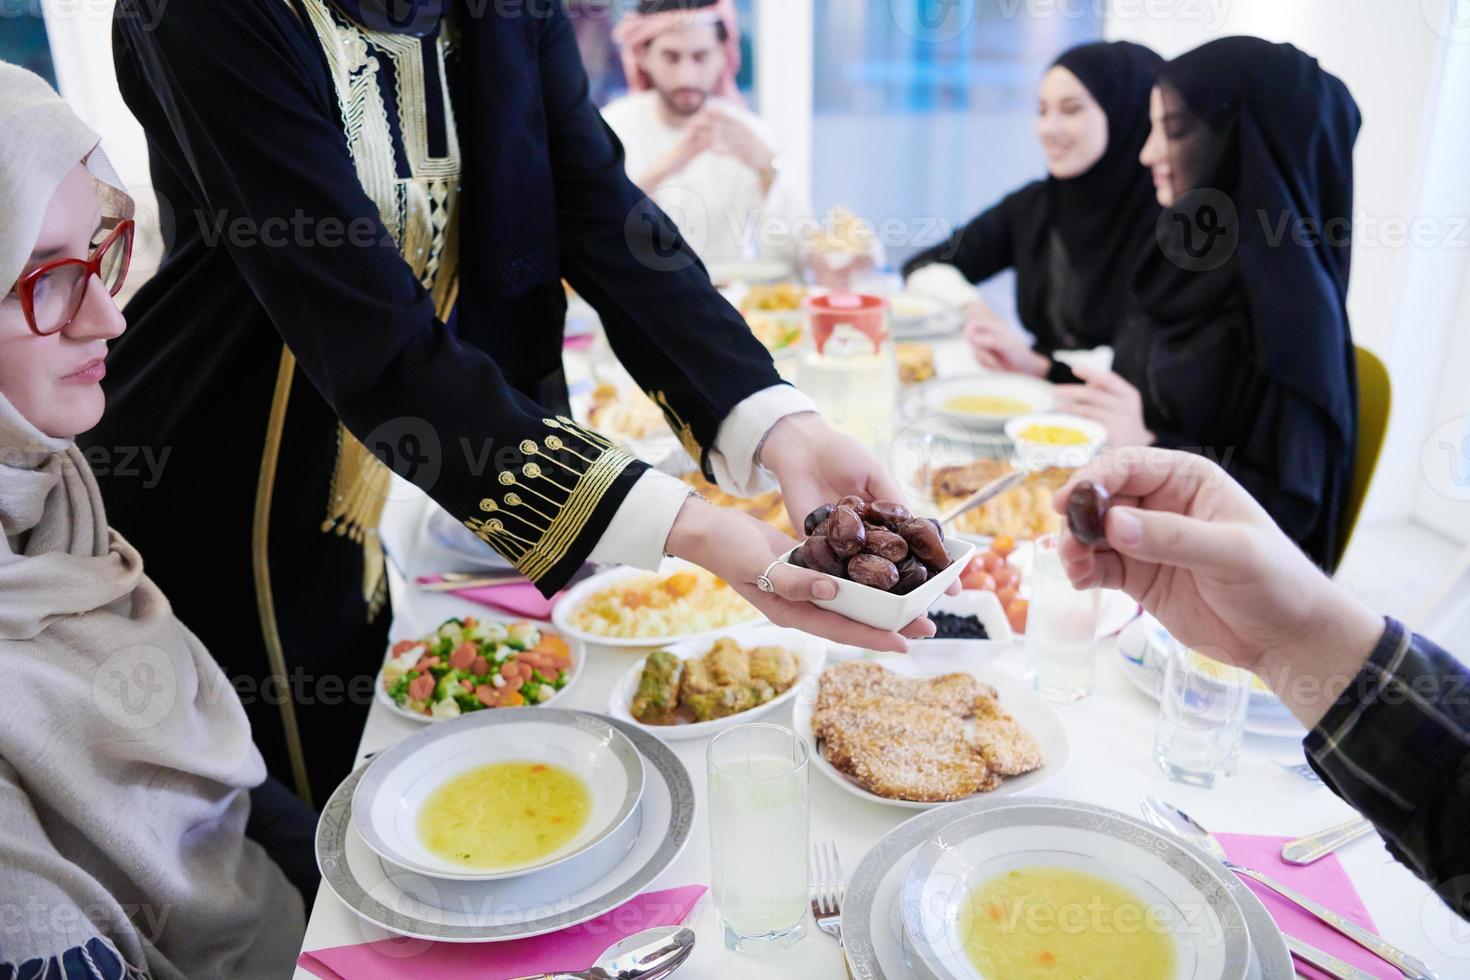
1108 400
997 347
738 547
1203 557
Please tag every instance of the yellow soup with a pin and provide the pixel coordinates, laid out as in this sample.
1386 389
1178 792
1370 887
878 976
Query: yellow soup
1054 435
986 405
504 815
1046 923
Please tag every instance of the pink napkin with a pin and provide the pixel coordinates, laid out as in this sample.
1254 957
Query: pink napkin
521 598
576 948
1323 880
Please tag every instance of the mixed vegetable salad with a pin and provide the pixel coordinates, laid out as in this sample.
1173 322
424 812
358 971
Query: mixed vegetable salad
469 665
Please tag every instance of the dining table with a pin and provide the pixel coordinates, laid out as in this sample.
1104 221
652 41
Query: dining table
1111 739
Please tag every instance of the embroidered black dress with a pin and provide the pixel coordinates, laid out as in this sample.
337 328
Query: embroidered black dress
373 228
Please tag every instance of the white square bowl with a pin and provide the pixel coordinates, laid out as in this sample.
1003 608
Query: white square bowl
886 611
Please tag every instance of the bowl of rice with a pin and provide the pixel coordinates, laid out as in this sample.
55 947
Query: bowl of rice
630 608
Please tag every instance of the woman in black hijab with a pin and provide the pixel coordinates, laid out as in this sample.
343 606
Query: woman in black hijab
1236 340
1073 237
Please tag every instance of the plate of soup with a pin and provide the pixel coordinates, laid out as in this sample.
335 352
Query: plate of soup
986 402
1044 890
498 794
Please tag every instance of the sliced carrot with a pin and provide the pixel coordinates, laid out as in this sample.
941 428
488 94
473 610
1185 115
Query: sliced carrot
552 644
681 584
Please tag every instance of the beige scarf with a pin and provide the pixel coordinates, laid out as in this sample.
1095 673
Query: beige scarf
125 755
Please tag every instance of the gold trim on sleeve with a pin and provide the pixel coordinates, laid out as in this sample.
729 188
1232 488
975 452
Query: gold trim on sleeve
682 429
538 516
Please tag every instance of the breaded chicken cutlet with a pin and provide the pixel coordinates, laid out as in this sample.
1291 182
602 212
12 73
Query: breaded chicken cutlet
906 738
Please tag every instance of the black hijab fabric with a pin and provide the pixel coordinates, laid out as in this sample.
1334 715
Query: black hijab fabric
1103 220
1102 214
416 18
1263 125
1237 333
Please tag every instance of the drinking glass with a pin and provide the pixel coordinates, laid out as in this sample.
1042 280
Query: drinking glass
1202 706
758 836
1061 629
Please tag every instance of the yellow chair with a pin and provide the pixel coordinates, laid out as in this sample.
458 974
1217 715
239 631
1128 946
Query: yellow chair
1375 397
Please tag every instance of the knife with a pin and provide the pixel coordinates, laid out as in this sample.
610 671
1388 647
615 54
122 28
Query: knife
1324 961
1319 845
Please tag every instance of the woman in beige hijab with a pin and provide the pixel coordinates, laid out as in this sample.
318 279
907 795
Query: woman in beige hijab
126 762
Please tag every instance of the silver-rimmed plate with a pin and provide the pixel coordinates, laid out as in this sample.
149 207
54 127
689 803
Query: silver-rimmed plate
400 782
1196 901
358 878
872 927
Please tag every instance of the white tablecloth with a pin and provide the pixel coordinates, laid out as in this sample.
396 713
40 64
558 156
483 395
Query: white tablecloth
1111 735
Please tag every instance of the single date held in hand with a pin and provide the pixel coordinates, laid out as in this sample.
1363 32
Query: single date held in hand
1087 513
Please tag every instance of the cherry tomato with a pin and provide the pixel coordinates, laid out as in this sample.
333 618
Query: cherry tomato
1006 595
1016 613
976 578
1007 576
1003 544
992 561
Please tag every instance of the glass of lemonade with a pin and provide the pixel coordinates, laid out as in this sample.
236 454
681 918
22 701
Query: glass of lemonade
758 836
1202 707
1061 629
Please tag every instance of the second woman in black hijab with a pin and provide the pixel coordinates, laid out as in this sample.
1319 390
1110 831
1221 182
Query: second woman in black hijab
1072 238
1236 339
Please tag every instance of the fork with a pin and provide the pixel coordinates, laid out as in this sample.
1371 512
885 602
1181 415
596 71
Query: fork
827 889
827 892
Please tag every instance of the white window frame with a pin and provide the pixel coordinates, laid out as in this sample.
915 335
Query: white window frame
785 55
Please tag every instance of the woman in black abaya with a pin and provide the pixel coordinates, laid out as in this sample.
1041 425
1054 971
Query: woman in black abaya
1073 237
1236 340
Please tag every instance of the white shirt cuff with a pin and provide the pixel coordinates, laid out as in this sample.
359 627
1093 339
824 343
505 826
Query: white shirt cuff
944 283
639 530
733 456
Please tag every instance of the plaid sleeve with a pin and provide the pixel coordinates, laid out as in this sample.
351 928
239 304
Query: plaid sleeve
1396 746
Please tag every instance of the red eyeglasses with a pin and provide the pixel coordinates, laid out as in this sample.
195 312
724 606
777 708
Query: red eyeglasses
52 294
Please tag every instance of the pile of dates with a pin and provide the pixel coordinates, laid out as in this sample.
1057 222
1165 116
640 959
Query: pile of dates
881 545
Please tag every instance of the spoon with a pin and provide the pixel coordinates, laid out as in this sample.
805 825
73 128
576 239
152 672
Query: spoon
649 955
991 490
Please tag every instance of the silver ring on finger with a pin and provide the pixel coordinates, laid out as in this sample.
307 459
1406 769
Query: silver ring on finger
763 580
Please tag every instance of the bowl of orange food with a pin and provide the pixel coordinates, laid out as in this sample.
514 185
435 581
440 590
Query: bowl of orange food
625 607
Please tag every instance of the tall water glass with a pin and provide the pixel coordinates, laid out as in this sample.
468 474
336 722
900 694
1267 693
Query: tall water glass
1061 629
758 836
1202 707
